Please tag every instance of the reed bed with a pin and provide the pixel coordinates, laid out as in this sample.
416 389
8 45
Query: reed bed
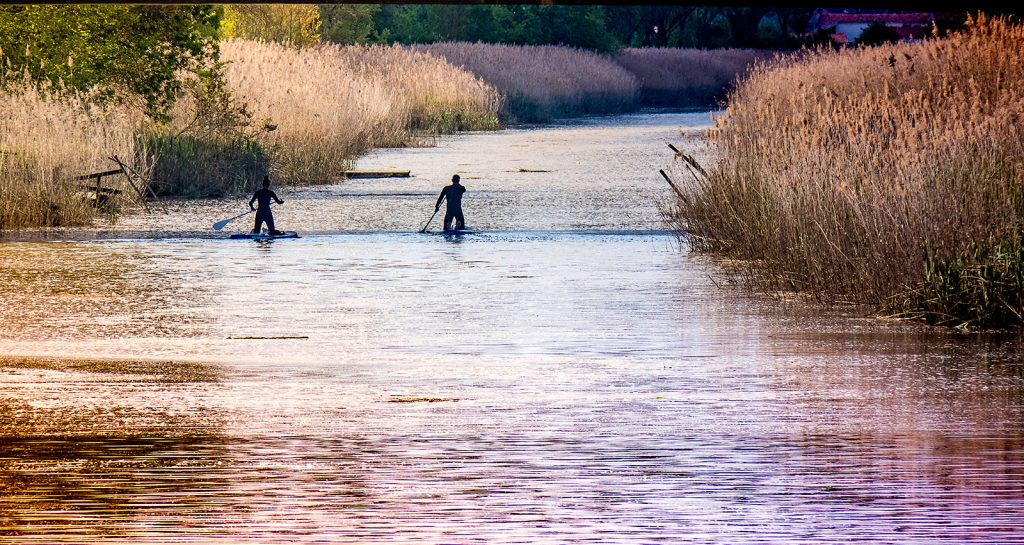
440 97
324 105
687 77
541 83
48 136
891 176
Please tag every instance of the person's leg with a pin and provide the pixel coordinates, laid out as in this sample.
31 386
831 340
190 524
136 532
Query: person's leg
460 221
270 224
259 222
448 219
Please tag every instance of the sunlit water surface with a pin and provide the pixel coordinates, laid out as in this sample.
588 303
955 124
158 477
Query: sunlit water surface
568 375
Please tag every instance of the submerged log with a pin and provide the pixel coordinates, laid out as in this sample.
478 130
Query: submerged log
350 174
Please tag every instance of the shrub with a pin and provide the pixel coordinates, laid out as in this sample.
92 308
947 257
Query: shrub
210 146
838 172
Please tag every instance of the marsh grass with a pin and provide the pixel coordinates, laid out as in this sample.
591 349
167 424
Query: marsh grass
541 83
49 135
322 106
677 77
891 176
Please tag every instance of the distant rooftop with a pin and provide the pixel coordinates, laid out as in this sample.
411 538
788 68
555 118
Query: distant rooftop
849 23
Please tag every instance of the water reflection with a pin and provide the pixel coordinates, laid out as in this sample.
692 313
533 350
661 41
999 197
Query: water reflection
94 449
514 386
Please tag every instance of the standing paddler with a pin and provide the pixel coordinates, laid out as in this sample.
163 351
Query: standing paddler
452 194
263 213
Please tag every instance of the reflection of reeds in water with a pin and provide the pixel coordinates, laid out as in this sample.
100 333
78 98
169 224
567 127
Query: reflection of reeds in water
686 77
47 137
89 451
845 173
329 103
545 82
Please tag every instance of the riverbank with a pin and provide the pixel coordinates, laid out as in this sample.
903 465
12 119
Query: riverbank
898 188
303 115
514 181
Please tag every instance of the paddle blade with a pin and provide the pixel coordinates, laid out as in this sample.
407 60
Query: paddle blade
220 224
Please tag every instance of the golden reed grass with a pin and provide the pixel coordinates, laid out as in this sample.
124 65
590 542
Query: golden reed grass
845 173
47 137
330 103
542 82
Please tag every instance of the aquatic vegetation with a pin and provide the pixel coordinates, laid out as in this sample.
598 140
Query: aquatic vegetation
889 175
48 136
672 76
543 82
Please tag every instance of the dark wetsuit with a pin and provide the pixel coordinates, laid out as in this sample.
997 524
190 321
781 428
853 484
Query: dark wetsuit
263 215
452 194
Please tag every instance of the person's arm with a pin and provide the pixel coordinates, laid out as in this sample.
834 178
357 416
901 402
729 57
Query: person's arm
252 200
279 201
440 198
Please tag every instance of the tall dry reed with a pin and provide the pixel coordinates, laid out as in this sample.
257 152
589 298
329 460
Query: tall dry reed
687 77
439 96
541 83
325 105
868 175
47 137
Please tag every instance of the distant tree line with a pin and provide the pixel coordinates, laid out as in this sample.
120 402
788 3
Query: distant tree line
142 49
600 28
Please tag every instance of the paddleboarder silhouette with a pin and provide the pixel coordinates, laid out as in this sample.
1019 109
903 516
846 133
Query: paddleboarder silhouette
263 214
452 194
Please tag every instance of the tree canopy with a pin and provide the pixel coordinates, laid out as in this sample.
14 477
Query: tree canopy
138 48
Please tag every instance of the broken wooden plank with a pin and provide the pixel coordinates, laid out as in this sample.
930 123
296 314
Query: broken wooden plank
98 174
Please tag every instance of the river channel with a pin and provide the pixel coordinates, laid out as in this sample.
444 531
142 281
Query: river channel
568 374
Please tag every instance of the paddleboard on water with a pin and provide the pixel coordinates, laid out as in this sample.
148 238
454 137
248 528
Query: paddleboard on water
459 231
263 236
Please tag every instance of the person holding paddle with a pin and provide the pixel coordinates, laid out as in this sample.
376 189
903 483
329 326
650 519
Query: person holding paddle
263 213
453 194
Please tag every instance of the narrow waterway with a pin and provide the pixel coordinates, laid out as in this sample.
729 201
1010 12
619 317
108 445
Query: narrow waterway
570 374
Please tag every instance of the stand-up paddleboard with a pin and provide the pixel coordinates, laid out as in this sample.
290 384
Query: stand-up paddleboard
459 231
263 236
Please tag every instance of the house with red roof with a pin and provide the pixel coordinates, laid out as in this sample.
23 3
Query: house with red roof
846 25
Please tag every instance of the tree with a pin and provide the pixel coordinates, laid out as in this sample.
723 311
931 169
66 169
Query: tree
877 34
295 25
347 23
111 48
403 23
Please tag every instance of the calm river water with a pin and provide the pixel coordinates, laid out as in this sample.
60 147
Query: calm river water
570 374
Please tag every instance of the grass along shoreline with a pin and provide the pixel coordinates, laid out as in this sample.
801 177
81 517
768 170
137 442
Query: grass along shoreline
303 115
890 176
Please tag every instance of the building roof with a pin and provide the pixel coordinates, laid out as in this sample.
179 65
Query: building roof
828 18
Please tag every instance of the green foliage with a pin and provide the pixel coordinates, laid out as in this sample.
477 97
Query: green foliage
296 25
577 26
599 28
347 23
981 288
877 34
114 48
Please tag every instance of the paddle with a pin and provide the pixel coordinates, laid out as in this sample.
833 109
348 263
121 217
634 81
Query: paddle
220 224
424 230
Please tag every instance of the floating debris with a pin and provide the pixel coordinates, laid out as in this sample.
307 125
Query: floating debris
275 337
421 399
377 174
